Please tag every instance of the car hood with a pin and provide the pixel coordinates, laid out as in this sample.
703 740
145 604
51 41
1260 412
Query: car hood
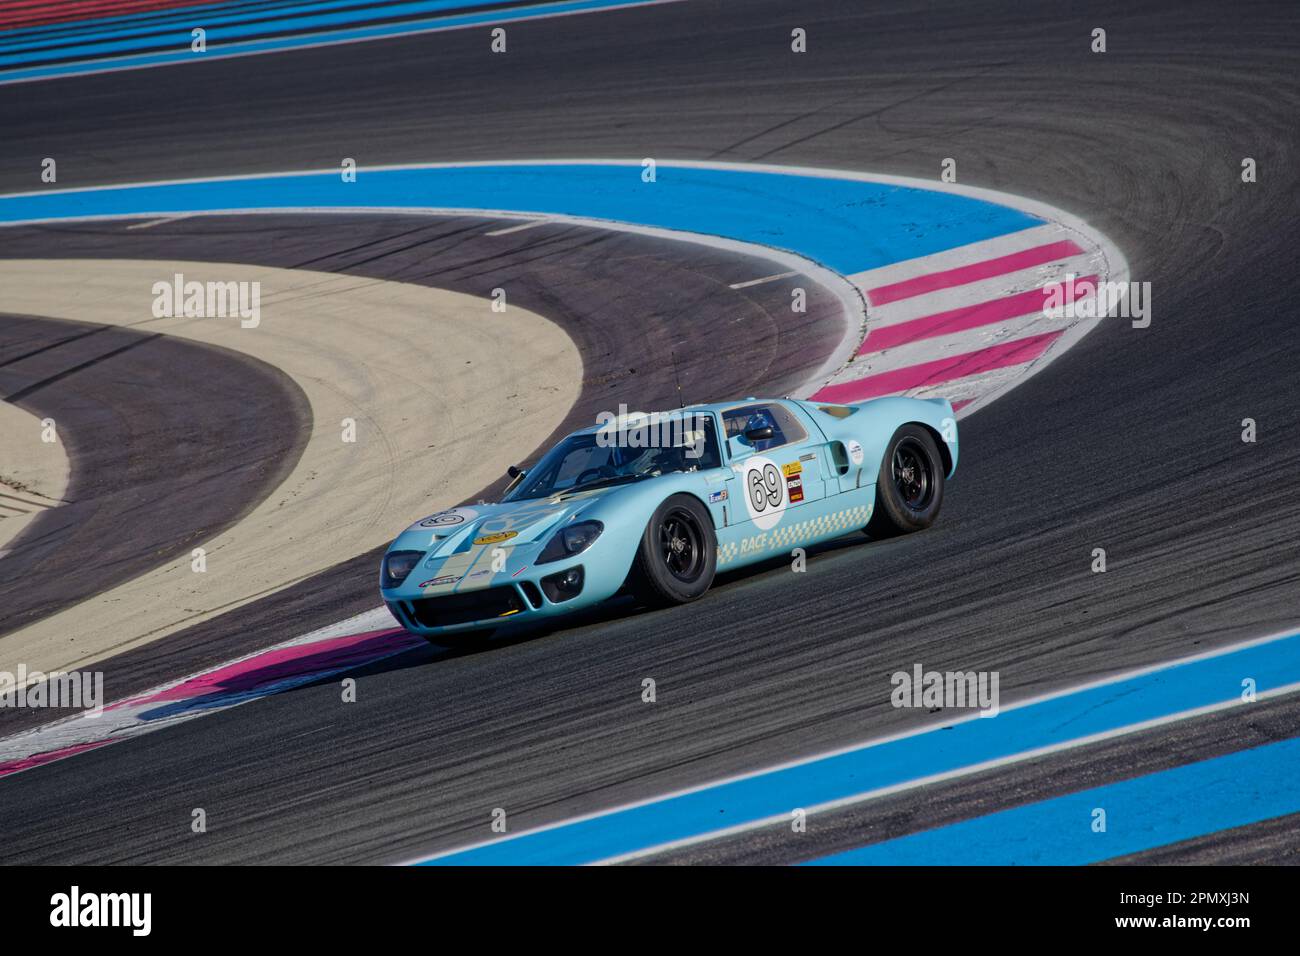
461 545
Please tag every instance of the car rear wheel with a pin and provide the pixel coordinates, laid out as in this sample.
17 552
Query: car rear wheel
909 488
678 554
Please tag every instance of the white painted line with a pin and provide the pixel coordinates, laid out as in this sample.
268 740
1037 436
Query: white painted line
157 222
752 282
509 229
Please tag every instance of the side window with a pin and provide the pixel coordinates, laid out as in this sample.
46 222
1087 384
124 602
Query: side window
785 427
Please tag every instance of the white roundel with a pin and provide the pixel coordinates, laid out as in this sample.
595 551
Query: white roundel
763 488
445 520
855 451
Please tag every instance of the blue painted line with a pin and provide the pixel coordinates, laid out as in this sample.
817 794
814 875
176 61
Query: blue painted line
1147 812
849 225
1059 720
217 48
221 30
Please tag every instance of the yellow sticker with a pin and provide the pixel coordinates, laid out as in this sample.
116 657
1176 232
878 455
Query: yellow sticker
496 538
793 468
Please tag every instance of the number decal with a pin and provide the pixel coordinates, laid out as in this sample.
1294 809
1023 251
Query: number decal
765 488
772 479
764 491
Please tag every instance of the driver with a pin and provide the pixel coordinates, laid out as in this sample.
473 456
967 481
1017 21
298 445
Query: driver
760 419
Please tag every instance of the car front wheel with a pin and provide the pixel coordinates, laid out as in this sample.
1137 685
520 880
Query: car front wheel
678 553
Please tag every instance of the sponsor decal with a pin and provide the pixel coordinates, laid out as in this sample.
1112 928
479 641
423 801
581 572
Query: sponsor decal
483 573
793 472
495 538
855 451
445 579
716 496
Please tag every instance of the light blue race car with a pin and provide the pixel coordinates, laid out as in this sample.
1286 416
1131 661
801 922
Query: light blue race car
655 505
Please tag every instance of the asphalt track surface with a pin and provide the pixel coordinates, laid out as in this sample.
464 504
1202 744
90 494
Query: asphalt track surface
579 277
1130 442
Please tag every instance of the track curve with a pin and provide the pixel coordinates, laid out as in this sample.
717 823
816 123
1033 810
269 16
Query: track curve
127 403
1131 442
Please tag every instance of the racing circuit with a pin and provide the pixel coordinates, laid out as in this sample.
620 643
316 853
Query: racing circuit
774 174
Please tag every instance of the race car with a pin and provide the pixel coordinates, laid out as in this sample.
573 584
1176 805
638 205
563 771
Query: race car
654 505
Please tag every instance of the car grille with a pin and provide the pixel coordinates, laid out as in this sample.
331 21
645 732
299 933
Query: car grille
449 609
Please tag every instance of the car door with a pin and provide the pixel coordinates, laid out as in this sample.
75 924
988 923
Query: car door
776 461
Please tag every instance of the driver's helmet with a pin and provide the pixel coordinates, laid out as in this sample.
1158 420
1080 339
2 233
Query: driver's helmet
759 419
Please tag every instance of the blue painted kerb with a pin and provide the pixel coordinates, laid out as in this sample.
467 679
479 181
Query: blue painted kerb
847 225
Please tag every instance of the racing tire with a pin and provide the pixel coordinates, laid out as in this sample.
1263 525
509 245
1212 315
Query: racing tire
678 554
909 487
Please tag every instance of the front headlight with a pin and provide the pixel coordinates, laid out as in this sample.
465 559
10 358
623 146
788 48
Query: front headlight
398 565
567 542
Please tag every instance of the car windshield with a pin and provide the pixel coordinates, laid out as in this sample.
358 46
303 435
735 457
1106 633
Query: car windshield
615 456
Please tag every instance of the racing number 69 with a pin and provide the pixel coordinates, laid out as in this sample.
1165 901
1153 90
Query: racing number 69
765 487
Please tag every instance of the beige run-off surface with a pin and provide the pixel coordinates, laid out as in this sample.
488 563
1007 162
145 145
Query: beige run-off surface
443 391
33 471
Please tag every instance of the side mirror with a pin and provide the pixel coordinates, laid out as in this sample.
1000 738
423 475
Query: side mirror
515 472
759 434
